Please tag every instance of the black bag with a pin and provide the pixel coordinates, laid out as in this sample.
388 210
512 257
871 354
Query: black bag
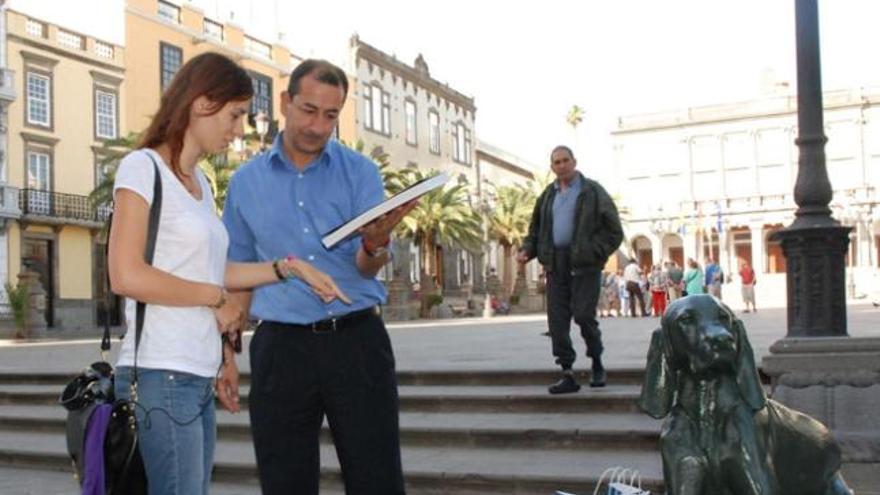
124 472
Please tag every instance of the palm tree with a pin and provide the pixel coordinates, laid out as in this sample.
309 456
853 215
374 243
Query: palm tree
574 117
111 153
218 170
443 217
509 223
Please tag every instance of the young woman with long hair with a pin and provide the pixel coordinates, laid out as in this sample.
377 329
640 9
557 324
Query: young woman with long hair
181 351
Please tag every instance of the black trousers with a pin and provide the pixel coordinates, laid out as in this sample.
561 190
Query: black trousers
298 376
635 291
572 295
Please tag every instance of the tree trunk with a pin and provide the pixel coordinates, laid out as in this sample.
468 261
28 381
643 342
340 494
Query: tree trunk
508 270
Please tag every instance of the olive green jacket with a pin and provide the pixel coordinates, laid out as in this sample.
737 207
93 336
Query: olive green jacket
597 231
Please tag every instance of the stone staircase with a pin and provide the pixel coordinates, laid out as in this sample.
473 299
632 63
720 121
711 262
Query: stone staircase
461 432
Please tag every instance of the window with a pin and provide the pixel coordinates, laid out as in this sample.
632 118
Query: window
258 48
35 28
368 107
377 110
102 169
461 144
169 11
105 114
262 100
170 60
38 197
386 113
213 29
38 99
434 131
38 171
467 146
409 107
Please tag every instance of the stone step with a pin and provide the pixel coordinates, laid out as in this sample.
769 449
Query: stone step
460 470
512 430
624 376
525 398
35 481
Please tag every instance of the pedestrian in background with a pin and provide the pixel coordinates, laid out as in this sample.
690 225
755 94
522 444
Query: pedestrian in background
632 276
674 276
747 275
693 278
575 227
658 285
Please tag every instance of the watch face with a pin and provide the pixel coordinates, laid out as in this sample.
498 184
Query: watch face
379 251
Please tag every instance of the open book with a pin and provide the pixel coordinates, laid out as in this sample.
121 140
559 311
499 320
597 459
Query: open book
412 192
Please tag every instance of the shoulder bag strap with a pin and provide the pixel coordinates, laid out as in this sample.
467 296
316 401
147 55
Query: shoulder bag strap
149 251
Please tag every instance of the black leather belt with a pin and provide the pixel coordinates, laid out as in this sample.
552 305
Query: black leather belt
331 325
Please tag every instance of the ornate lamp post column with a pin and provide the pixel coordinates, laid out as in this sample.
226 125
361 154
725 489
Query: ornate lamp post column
818 368
814 244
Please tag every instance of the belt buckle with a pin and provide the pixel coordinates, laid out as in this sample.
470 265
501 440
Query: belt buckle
316 327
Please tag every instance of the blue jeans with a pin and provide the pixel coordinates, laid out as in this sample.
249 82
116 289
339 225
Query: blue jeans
177 428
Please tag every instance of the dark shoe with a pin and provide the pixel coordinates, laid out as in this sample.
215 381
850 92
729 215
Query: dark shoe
598 378
566 385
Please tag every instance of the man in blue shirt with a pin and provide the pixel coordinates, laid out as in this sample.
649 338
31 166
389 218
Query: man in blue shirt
314 355
575 227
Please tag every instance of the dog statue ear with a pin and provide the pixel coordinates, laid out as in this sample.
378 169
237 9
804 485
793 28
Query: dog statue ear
746 372
658 389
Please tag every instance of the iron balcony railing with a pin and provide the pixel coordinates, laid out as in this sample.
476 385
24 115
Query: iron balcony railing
61 207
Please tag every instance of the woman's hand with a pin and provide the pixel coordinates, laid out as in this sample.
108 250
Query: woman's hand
323 286
229 315
227 384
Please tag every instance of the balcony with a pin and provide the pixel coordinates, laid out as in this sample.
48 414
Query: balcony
53 208
7 85
9 203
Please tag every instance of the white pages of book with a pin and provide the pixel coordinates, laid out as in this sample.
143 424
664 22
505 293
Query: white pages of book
412 192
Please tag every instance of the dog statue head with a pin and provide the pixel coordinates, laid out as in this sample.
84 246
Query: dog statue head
698 336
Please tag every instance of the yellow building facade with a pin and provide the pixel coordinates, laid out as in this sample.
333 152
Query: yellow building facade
161 36
68 104
75 93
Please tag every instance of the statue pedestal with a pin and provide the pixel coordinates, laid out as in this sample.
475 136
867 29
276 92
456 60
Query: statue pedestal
837 381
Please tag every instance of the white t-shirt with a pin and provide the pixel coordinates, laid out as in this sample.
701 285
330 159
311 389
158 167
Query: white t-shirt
632 273
191 244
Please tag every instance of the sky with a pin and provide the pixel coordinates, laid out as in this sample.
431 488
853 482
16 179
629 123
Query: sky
527 63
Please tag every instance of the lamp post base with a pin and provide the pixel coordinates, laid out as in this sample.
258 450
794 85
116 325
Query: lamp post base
815 279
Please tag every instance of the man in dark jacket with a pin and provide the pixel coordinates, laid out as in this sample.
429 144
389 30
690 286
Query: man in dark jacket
575 228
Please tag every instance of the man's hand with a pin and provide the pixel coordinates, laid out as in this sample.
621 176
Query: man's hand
321 283
378 232
227 384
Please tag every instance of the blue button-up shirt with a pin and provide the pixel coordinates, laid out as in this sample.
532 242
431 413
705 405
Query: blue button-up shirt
273 210
564 206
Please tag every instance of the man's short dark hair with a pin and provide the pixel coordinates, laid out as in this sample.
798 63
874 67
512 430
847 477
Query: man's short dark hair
563 148
321 70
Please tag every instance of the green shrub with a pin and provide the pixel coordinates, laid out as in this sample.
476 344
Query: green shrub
432 300
19 303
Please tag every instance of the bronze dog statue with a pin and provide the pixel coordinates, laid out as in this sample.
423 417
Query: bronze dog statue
723 435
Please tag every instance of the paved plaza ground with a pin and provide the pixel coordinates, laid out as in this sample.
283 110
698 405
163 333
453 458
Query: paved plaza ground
501 343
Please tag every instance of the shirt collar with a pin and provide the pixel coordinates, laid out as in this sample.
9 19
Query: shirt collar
576 182
279 158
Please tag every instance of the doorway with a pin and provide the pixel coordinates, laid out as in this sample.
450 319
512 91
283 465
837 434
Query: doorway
37 255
